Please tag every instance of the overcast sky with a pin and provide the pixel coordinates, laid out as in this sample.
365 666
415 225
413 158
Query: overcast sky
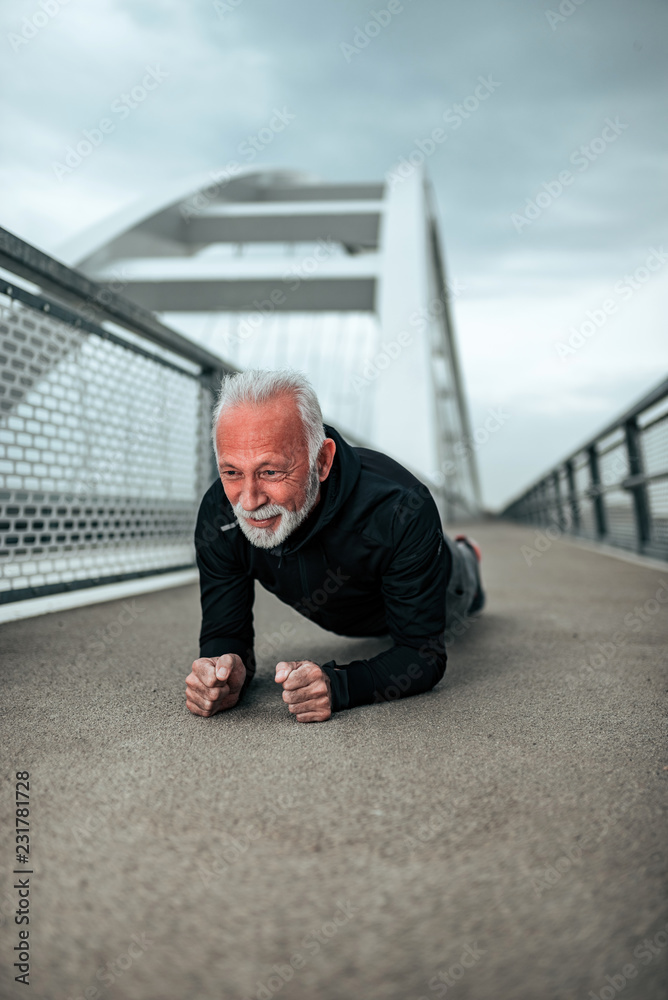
562 75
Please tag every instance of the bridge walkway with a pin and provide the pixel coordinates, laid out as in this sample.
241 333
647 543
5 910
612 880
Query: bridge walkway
501 833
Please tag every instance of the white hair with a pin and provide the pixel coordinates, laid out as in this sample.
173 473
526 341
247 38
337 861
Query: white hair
255 386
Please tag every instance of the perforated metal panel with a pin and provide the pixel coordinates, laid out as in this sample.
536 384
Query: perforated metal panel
104 456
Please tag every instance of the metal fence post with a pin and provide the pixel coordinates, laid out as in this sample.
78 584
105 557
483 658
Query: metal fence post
573 498
556 480
545 502
596 492
637 485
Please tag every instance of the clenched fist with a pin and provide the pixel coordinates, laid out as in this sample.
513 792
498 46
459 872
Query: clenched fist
214 684
306 689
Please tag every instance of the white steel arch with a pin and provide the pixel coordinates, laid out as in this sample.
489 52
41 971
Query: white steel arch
258 248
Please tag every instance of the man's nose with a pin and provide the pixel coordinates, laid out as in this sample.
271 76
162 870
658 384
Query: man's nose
253 496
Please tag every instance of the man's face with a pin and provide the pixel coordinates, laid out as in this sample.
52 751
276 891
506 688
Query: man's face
264 467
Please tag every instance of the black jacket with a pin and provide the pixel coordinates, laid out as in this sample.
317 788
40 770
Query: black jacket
369 560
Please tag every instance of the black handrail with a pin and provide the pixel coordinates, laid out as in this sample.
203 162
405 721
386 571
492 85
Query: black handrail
554 499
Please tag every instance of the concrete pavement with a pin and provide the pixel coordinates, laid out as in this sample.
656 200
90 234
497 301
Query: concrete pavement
500 838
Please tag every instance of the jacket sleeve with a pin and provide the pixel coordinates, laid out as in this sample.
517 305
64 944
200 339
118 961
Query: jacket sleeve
227 591
413 588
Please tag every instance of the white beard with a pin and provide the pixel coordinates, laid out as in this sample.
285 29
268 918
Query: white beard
267 538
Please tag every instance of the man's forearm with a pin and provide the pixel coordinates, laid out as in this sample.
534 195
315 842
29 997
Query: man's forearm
398 672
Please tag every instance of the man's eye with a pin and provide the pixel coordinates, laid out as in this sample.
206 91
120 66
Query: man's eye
270 472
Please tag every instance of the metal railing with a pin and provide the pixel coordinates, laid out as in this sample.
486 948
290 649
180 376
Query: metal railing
614 489
104 432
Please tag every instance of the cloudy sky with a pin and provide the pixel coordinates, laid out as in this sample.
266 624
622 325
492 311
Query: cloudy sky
563 76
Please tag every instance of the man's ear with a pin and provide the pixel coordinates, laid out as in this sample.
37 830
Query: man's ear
326 458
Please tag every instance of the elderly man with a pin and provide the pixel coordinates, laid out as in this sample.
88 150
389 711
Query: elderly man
345 535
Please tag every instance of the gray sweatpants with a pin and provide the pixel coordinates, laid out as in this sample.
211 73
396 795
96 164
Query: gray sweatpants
464 582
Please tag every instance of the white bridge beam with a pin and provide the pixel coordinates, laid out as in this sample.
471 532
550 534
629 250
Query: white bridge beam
286 222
